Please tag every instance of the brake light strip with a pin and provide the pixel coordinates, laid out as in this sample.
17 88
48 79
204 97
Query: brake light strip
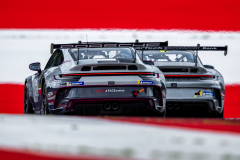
120 73
211 76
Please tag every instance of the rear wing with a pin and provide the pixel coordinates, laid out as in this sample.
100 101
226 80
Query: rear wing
198 48
137 45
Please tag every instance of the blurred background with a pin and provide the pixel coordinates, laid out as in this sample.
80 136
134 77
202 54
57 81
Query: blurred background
27 28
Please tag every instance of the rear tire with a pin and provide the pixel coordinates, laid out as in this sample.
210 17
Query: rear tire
28 109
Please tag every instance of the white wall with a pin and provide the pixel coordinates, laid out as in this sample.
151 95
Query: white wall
19 48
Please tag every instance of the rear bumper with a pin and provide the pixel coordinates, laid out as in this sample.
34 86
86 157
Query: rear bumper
95 106
91 99
193 105
210 98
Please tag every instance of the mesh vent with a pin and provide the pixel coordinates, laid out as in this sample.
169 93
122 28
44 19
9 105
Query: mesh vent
132 67
109 68
86 68
194 70
174 69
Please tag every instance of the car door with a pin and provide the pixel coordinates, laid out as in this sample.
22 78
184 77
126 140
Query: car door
37 81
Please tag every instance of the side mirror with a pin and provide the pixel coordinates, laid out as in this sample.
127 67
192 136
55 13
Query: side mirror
148 62
208 66
35 66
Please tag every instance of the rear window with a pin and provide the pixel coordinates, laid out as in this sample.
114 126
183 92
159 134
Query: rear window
102 53
170 56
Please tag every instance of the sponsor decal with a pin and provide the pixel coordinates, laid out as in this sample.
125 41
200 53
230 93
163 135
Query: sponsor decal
114 90
100 90
209 48
146 48
146 82
66 61
51 103
204 93
183 48
75 83
163 51
110 90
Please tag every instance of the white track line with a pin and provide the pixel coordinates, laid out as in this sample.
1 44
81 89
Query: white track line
79 135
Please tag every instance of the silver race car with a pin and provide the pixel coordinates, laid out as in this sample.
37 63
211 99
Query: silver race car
191 86
96 78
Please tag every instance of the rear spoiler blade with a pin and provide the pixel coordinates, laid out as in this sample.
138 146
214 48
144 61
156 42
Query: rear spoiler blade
137 45
198 48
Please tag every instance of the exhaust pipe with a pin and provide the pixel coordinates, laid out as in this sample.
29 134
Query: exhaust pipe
115 106
169 106
107 106
177 106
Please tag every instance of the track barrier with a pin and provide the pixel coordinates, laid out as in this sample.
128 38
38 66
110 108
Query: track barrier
218 15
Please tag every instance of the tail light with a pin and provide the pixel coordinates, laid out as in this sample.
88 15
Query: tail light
60 77
102 74
202 77
190 76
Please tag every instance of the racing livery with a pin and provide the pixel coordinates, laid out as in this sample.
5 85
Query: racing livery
190 84
96 78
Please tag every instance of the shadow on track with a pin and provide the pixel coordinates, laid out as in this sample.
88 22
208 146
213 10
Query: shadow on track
170 114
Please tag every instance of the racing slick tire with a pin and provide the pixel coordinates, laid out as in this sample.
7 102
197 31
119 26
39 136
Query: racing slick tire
44 103
27 104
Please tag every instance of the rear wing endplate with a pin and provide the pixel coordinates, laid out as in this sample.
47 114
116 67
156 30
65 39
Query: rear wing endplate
137 45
